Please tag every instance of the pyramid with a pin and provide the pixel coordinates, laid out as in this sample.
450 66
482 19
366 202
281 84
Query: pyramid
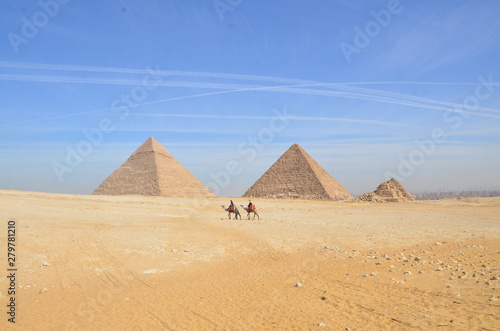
390 191
297 175
152 170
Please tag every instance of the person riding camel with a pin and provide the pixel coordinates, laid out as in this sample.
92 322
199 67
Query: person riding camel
231 206
250 205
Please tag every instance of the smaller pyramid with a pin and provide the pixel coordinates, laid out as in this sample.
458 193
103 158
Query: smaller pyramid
390 191
152 170
297 175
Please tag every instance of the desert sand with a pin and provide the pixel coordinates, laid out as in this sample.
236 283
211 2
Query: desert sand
152 263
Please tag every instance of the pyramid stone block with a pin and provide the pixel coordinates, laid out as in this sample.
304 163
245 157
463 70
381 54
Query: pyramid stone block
297 175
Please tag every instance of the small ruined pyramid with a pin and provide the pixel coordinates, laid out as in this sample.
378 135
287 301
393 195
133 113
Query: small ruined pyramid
152 170
297 175
390 191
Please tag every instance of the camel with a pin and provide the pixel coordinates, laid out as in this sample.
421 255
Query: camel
236 212
249 211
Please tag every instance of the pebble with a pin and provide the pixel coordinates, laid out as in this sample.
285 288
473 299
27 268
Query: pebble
493 298
43 290
407 273
321 324
45 264
298 285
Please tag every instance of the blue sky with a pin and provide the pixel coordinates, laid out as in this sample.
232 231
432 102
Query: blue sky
368 89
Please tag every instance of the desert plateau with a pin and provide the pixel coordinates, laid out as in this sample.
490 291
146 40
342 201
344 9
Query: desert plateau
148 263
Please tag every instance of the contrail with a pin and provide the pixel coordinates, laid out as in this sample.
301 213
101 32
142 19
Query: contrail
59 67
347 90
387 97
418 83
358 93
221 75
285 89
421 99
231 88
300 118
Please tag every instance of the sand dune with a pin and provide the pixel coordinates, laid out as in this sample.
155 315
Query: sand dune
153 263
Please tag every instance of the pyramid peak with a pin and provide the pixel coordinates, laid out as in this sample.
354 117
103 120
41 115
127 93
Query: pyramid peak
151 145
393 182
296 146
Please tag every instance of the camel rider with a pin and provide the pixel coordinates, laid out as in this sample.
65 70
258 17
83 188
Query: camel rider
250 205
231 206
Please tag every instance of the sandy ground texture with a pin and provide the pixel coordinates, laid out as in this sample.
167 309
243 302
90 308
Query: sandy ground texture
149 263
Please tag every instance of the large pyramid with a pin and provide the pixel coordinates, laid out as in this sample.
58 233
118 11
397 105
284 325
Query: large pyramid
297 175
390 191
152 170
